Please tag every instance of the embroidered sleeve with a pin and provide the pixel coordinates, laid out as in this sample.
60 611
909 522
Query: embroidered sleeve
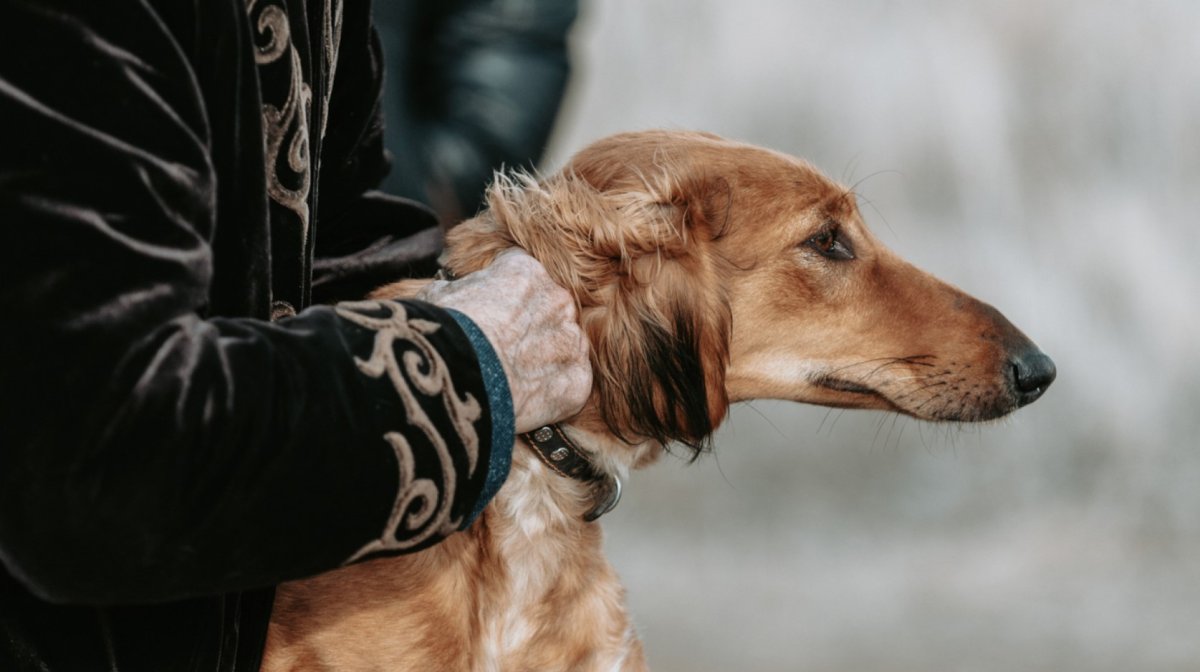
404 356
149 452
503 416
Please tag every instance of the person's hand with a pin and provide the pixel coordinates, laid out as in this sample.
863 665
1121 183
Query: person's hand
531 323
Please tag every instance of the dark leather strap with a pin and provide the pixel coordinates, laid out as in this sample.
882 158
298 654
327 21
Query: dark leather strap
565 458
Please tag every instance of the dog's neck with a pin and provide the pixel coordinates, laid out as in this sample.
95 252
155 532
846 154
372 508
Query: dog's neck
559 452
610 458
556 590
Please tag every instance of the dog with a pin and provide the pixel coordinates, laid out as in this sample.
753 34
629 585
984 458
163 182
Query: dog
706 272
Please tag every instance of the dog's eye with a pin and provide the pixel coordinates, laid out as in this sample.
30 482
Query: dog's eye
829 244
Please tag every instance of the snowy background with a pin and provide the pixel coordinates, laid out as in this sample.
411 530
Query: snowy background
1042 155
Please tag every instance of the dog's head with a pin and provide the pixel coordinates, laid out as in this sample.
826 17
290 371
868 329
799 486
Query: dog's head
709 271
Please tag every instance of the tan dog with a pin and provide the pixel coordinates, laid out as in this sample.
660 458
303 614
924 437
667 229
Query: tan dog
706 272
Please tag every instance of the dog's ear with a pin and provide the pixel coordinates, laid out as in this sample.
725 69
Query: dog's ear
637 254
657 310
661 335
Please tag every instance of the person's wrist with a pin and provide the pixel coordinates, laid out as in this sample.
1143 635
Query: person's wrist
500 409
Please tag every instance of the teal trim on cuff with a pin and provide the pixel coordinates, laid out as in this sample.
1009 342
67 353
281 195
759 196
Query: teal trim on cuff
500 404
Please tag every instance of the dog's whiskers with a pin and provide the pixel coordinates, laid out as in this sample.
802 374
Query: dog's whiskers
914 360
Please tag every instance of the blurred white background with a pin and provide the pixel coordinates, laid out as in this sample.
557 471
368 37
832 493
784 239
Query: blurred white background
1045 157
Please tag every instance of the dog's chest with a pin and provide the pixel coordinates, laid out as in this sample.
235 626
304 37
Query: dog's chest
556 603
528 542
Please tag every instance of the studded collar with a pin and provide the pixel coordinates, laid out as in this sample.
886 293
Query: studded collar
567 459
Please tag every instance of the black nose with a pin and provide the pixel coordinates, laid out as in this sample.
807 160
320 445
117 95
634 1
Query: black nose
1032 373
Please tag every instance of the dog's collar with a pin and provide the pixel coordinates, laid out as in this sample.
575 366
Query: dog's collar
565 458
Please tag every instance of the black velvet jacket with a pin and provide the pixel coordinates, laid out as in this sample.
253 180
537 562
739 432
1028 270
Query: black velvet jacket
175 174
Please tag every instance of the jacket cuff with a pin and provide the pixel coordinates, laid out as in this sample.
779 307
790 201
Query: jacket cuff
503 416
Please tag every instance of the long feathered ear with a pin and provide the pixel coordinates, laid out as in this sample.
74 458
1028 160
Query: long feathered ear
661 339
639 259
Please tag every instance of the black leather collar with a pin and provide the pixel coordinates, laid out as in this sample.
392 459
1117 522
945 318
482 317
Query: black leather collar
565 458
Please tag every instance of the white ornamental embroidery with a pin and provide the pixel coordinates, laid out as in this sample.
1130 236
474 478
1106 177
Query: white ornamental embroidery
422 507
331 34
286 126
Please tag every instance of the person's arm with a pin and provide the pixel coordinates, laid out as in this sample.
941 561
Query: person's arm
148 453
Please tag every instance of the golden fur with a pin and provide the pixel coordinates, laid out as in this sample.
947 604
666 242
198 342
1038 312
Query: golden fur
706 272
